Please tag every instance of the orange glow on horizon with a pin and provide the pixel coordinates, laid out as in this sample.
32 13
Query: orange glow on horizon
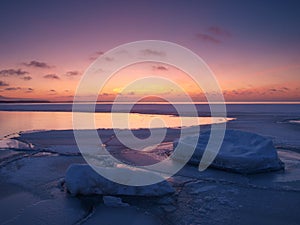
63 88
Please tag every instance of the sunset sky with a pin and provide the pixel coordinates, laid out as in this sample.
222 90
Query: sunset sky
253 47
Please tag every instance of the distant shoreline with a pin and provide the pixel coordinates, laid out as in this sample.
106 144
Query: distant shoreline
24 101
148 102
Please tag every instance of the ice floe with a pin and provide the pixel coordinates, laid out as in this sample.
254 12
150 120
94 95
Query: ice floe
241 152
82 179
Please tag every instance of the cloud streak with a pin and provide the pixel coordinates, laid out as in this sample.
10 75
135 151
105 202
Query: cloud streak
160 67
152 52
37 64
213 34
282 89
12 72
52 92
72 73
26 78
12 89
29 90
217 31
51 77
96 55
207 38
3 84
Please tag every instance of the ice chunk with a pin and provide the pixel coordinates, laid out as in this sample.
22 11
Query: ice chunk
241 152
112 201
82 179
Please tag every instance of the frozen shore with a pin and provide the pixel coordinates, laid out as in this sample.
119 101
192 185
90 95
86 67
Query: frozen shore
33 188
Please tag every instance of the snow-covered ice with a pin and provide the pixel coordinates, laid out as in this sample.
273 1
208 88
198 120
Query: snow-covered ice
33 190
241 152
113 201
82 179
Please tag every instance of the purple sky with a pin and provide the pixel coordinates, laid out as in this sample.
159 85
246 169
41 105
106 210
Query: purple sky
253 47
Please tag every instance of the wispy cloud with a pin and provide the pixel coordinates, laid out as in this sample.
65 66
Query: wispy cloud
52 92
72 73
239 92
96 55
37 64
109 59
26 78
106 94
3 84
12 89
160 67
25 90
213 34
266 93
152 52
29 90
51 77
12 72
218 31
207 38
281 89
272 90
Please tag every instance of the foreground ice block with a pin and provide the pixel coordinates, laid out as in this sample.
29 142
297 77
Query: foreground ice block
241 152
82 179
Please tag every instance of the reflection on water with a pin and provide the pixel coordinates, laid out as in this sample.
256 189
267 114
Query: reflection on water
15 144
295 121
12 122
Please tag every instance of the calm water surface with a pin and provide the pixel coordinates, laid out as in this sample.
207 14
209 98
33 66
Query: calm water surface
12 122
